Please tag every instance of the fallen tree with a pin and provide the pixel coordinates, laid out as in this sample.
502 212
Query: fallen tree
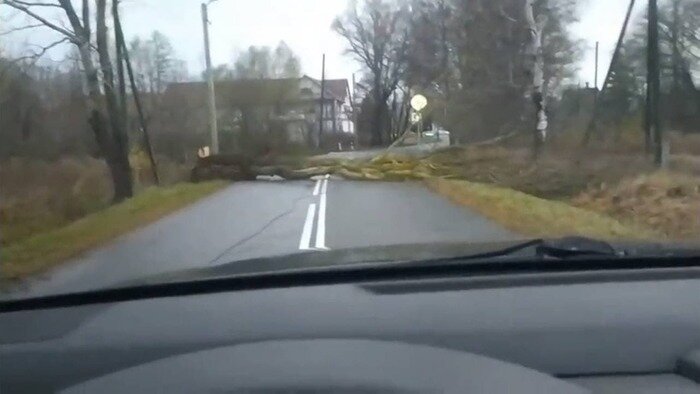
385 167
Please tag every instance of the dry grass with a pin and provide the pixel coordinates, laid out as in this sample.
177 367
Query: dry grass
624 138
685 164
535 217
46 249
684 143
613 177
556 175
37 196
617 181
665 201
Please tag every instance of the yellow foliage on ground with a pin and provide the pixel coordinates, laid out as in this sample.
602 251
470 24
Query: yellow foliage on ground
617 185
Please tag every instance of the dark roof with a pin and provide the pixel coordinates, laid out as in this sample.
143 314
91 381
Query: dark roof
337 87
239 92
252 91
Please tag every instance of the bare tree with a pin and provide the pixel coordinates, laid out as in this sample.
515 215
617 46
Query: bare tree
468 57
154 62
679 24
104 112
536 61
377 37
263 62
162 59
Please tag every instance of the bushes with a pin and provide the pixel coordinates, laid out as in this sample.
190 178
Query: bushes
37 195
615 179
665 201
47 248
535 217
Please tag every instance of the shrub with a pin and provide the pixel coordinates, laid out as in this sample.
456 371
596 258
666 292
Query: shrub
37 195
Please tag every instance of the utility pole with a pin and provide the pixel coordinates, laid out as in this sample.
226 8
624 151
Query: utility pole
596 92
352 89
120 66
121 44
595 79
653 120
323 97
211 99
613 62
676 63
355 108
353 101
648 121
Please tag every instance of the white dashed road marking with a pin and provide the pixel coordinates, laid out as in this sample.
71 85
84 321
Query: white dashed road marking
320 189
304 243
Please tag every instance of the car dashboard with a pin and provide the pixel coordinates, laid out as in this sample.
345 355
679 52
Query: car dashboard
621 331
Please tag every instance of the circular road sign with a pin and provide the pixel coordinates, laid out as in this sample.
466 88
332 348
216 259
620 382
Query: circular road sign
418 102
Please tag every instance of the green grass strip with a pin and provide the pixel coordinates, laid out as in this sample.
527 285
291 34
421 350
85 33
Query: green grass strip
536 217
47 249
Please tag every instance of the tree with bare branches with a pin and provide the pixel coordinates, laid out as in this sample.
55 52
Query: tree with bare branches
104 112
535 54
377 36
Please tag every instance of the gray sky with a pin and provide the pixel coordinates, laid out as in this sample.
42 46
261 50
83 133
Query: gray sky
601 20
303 24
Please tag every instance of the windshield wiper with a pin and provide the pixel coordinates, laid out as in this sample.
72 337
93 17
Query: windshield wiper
577 247
561 248
535 256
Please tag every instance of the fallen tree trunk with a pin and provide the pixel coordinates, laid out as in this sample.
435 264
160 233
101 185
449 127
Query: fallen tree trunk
228 167
388 167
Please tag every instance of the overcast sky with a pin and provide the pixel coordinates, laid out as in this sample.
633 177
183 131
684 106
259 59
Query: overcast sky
303 24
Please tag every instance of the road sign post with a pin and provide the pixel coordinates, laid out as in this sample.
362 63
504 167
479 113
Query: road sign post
418 103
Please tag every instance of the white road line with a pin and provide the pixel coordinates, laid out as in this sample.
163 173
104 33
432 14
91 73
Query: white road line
317 187
321 222
305 241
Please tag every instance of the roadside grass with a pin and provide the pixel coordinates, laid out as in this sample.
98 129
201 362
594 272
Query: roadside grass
46 249
615 179
37 195
40 195
667 201
536 217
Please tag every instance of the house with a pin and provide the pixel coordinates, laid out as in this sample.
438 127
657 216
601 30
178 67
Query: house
290 105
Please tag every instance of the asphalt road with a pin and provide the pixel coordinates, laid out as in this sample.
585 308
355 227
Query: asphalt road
256 219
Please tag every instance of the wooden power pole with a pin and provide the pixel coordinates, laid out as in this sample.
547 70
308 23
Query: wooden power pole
653 119
323 98
211 98
121 44
120 66
592 125
595 78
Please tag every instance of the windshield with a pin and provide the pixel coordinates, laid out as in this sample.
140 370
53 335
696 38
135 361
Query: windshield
146 137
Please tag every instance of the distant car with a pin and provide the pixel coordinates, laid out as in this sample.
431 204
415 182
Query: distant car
340 141
439 137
